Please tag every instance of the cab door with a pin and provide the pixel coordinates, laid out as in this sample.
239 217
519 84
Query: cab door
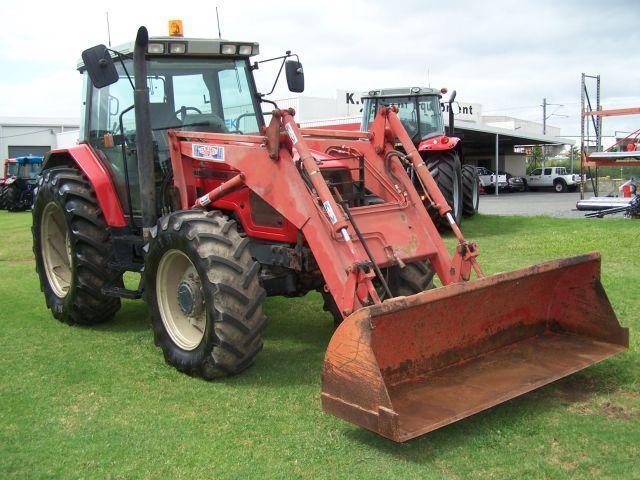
111 132
534 178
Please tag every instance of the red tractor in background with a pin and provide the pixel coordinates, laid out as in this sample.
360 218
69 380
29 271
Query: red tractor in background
421 112
178 178
9 169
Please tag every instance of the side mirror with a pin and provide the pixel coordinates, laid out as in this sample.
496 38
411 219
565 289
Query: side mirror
295 76
100 67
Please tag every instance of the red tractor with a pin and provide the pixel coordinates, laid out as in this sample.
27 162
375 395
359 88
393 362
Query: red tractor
178 178
10 169
421 112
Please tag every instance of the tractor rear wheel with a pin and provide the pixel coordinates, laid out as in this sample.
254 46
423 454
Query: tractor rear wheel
72 246
12 198
204 295
416 277
3 203
470 190
446 170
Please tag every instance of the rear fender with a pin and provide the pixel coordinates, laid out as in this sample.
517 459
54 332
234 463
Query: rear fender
86 160
438 144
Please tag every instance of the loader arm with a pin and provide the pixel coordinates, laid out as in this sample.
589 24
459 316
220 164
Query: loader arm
396 231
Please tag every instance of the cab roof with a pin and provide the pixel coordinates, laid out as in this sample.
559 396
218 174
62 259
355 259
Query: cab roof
401 92
204 47
31 159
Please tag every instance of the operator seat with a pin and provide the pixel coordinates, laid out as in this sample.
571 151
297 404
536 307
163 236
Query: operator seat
162 117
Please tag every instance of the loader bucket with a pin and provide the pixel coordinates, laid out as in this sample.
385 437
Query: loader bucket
414 364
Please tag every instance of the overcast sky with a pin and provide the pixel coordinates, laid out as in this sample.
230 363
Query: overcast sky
506 55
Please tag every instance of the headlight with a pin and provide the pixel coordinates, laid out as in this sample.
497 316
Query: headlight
227 49
177 48
245 50
155 48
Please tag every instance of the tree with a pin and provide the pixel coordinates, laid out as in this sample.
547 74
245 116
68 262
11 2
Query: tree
535 158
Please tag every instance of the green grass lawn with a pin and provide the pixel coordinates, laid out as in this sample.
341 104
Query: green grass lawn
101 403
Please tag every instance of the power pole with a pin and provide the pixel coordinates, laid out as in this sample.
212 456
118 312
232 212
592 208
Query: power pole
544 129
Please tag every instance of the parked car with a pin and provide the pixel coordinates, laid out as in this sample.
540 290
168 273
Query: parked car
553 177
515 183
488 179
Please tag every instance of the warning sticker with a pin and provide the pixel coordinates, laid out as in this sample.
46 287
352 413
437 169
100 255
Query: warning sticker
204 200
207 152
292 134
330 212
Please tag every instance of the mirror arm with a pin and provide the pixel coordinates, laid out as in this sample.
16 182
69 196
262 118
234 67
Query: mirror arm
277 77
121 59
264 100
281 57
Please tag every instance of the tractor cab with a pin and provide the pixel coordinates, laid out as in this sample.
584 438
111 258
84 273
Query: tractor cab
10 168
199 85
419 110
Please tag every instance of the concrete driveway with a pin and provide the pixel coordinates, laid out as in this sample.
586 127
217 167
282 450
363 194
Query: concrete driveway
531 203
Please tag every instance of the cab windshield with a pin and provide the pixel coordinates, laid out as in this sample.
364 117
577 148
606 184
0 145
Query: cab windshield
194 94
211 95
420 116
12 169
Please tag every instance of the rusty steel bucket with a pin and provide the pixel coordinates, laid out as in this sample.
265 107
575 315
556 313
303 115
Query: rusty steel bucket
414 364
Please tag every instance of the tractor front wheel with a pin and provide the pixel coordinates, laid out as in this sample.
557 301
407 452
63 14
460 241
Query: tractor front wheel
446 170
72 246
204 295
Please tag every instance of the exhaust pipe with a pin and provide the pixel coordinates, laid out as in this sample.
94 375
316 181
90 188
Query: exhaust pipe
451 117
144 141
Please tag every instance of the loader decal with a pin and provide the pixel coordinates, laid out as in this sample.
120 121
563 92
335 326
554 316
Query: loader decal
291 133
208 152
330 213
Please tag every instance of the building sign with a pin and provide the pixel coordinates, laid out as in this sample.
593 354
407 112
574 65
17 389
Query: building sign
469 112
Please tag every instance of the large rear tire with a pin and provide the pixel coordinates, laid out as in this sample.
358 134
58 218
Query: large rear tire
470 190
3 203
71 244
446 170
204 295
416 277
12 198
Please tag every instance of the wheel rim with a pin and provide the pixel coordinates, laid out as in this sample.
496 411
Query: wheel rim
475 194
456 194
558 187
56 249
178 287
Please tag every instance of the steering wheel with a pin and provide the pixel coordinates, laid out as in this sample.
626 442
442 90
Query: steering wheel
183 112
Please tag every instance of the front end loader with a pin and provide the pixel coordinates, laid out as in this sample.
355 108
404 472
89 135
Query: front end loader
217 210
421 110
